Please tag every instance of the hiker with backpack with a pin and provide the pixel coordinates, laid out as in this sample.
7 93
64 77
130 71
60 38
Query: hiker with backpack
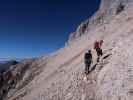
97 47
87 61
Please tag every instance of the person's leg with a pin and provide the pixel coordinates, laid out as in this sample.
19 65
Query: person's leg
97 52
88 67
85 68
101 52
97 55
98 58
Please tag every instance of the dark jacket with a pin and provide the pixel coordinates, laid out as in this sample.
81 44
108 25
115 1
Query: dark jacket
88 58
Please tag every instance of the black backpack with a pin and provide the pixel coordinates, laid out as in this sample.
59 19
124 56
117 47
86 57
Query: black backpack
88 57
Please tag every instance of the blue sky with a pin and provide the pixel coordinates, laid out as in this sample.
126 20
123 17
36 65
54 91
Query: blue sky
30 28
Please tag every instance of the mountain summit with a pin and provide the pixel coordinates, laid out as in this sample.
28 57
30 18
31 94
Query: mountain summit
60 75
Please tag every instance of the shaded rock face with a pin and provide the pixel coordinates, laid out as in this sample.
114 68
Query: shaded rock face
16 77
5 65
107 9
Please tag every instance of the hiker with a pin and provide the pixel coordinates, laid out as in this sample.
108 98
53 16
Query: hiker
88 61
97 47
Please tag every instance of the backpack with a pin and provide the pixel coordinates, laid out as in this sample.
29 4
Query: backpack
88 57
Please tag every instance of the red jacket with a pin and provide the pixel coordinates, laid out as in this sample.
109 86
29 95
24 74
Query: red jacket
96 45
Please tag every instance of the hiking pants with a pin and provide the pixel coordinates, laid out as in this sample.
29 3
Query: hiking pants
87 67
99 52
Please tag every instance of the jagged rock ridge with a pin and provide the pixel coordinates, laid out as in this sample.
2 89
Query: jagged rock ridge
107 10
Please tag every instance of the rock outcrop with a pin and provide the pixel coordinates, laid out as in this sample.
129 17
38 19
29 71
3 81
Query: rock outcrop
4 65
108 9
17 76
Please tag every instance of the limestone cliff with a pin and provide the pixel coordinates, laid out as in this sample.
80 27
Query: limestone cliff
107 10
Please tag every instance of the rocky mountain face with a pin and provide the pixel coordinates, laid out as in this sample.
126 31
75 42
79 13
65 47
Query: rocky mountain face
12 76
60 76
4 65
107 10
